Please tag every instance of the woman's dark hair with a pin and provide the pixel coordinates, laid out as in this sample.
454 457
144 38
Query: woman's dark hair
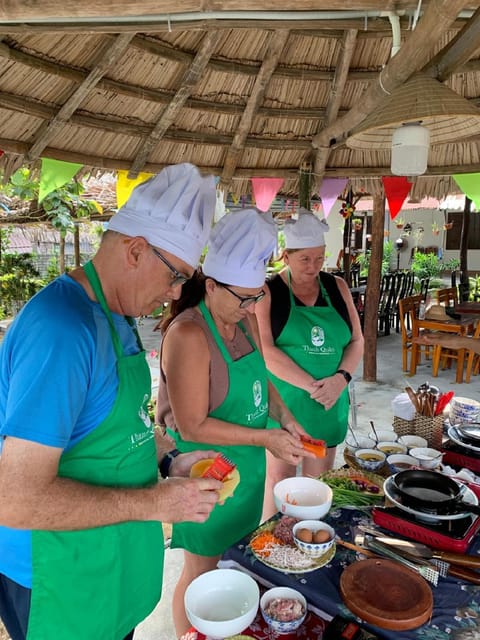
193 291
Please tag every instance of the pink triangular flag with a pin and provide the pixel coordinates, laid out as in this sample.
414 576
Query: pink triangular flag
396 191
265 190
330 189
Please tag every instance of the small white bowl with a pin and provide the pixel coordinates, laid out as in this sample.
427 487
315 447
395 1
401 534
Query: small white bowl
413 441
222 602
283 592
361 442
314 549
427 458
384 435
391 448
303 498
370 459
400 462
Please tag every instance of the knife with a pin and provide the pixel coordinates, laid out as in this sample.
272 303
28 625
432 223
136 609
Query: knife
422 551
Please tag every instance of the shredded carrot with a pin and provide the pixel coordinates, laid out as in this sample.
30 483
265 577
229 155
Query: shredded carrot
263 543
289 500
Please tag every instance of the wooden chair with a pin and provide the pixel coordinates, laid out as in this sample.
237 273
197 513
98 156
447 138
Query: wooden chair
444 356
473 359
408 312
448 297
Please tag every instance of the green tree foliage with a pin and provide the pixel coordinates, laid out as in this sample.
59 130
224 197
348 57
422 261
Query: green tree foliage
62 206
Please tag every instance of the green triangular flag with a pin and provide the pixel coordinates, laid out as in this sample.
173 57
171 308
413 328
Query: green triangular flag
469 183
54 174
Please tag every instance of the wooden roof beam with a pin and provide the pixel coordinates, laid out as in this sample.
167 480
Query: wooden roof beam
414 54
277 43
289 173
191 78
458 51
338 86
109 58
55 9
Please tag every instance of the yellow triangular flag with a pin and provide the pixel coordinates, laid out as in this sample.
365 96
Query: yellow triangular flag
126 185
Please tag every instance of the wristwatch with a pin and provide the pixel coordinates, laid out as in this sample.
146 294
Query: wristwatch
345 374
166 462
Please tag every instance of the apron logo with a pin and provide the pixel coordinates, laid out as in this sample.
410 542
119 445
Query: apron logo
257 393
143 413
317 336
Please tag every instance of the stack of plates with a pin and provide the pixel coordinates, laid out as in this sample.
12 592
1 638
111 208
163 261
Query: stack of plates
464 410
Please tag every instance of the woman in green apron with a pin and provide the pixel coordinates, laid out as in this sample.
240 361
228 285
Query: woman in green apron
312 342
214 391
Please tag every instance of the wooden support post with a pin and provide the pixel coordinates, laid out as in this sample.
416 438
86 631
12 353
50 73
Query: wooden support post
304 187
76 244
464 286
372 294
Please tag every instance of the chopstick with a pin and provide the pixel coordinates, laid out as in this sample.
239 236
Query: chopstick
355 547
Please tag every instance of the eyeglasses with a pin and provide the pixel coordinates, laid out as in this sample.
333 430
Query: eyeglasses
177 278
245 301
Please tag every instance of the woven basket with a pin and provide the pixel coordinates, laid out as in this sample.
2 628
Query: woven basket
424 426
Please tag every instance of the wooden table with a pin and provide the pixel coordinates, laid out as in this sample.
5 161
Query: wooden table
459 327
467 307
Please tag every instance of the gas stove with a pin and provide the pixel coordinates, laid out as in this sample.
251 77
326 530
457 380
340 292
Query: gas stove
447 535
458 456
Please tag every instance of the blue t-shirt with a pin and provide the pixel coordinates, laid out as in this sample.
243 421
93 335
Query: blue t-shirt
58 381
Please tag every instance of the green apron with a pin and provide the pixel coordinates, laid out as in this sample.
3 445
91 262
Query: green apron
314 338
246 403
97 584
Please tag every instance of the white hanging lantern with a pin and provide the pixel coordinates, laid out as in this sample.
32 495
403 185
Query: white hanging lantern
410 144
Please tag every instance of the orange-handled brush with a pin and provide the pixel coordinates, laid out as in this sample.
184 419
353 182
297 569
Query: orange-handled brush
220 468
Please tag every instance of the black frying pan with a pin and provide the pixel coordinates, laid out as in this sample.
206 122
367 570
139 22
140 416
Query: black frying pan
431 491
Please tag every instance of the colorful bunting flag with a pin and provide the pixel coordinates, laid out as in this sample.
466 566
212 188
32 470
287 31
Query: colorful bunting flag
265 190
126 185
469 183
329 191
54 174
396 191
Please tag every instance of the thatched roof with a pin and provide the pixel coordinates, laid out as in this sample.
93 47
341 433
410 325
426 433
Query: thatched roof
242 89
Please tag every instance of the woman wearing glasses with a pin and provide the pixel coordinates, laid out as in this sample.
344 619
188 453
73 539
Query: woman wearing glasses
312 342
214 391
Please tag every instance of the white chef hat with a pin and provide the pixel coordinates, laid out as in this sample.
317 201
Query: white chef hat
172 211
306 232
239 248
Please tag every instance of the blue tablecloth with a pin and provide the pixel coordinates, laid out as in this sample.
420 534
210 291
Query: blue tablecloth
456 613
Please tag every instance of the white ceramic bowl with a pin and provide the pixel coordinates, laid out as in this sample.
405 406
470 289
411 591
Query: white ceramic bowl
413 441
282 592
303 498
222 603
314 549
361 442
427 458
384 435
370 459
391 448
400 462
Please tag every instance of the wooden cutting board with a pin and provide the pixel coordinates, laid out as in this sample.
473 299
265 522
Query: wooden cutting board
386 594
